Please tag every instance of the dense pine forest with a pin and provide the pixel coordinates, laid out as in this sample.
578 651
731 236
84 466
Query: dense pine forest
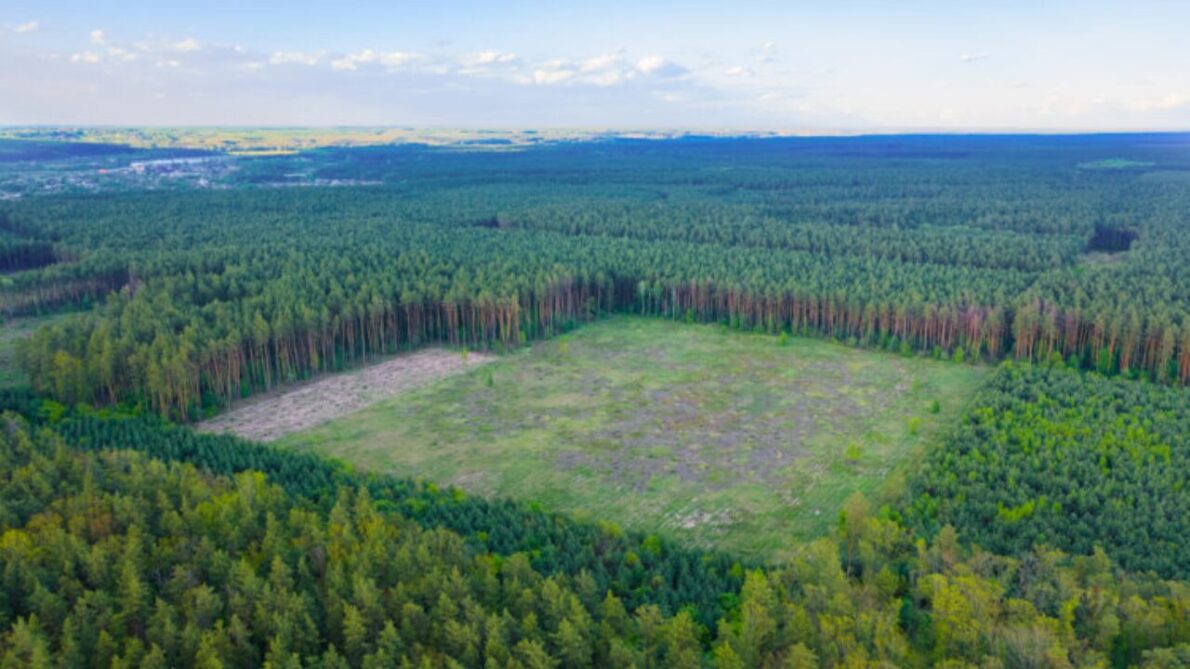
981 248
1051 456
1049 527
114 558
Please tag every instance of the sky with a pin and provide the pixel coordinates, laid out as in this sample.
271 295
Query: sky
792 65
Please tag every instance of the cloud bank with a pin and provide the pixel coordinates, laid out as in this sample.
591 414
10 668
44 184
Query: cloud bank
100 76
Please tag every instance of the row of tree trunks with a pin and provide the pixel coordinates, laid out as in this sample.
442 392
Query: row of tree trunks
176 375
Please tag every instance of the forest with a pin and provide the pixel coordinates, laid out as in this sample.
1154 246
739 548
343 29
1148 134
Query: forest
116 558
1047 527
1048 455
990 249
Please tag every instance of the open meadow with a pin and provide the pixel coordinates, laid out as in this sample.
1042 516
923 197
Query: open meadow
717 438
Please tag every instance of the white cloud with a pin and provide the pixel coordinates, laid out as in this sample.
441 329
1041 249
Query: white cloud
187 45
391 59
659 67
89 57
606 78
650 64
548 77
26 27
295 58
346 63
600 70
601 62
399 58
352 61
973 57
121 54
490 58
739 72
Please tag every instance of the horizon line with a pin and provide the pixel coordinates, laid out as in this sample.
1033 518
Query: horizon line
724 131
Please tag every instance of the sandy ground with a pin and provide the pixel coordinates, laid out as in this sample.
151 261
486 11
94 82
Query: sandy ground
294 408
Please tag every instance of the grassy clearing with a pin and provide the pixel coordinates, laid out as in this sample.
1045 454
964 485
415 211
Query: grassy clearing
12 330
716 438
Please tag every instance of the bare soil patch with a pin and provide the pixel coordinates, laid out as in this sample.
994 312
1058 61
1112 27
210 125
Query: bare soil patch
295 408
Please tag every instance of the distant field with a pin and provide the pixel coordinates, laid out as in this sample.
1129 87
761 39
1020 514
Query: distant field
276 141
1114 164
720 439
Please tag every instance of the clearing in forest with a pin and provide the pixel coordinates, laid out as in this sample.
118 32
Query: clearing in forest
290 409
719 438
12 331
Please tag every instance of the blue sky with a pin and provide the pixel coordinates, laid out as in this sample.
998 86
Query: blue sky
797 66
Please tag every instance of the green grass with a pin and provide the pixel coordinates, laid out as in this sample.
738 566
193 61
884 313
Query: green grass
715 438
12 330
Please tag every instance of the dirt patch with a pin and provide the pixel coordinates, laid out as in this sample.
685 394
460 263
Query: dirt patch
273 415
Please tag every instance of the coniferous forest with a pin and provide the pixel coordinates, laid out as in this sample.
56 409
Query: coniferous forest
981 248
1050 527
